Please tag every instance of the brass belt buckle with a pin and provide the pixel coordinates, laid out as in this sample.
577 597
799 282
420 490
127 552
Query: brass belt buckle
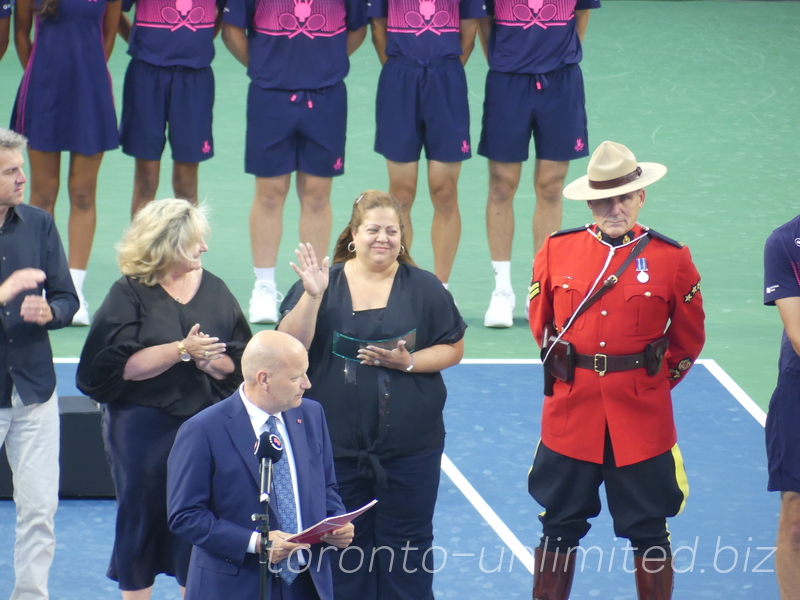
600 364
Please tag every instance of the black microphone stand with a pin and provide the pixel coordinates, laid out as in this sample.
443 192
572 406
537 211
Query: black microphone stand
263 525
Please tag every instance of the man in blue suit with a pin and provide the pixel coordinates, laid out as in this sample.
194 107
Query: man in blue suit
213 481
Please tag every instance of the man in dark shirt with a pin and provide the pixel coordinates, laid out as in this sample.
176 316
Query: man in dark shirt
32 261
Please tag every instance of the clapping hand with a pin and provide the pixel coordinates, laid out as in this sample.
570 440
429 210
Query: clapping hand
398 358
203 347
313 275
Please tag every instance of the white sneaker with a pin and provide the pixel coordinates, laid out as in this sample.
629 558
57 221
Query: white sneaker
81 318
264 303
501 309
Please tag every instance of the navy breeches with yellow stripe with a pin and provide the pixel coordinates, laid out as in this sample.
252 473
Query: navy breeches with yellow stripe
640 497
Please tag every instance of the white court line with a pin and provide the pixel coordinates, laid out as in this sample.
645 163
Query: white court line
510 540
733 388
496 523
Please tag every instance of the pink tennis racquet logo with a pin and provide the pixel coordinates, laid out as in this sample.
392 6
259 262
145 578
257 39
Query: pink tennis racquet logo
175 14
183 15
527 13
419 16
300 20
311 18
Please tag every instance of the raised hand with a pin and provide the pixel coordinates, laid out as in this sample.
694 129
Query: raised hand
313 274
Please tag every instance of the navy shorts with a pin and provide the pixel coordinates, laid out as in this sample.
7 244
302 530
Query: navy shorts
156 96
640 496
296 131
422 106
551 107
783 443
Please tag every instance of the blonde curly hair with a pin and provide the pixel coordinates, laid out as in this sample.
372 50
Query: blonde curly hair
161 235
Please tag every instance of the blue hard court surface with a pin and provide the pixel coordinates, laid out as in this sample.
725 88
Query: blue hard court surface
725 535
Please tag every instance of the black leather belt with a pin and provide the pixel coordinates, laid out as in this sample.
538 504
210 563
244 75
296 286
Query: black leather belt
602 363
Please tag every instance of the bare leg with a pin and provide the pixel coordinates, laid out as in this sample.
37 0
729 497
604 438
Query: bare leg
184 180
45 177
138 594
548 182
315 211
145 183
503 183
446 226
266 219
787 556
83 213
403 186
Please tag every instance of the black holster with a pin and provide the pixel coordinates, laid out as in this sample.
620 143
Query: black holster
560 362
654 355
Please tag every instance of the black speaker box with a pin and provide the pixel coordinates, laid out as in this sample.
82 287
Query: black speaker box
84 468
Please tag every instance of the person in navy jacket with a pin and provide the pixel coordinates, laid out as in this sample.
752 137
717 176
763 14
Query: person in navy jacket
213 481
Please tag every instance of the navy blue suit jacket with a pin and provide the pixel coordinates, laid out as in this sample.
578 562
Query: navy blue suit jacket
213 488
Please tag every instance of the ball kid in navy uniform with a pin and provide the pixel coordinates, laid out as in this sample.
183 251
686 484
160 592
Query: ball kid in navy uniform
296 54
422 102
169 87
534 88
611 361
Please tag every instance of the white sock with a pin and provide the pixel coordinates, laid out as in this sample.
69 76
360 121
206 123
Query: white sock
444 285
78 277
502 275
265 275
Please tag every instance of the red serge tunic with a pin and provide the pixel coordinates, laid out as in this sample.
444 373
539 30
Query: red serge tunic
637 310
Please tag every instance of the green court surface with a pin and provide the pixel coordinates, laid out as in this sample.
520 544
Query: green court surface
708 88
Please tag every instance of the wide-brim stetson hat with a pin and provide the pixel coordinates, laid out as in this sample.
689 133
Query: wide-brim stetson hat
613 171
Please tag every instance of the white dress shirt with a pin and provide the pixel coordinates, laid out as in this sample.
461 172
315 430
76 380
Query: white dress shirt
258 419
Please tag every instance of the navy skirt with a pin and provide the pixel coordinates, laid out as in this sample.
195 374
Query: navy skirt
138 440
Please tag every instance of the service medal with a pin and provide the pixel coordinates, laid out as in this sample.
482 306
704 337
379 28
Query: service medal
641 267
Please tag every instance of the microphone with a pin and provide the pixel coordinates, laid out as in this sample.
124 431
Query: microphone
268 447
269 450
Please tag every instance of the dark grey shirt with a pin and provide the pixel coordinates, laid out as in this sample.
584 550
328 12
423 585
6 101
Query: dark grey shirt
29 239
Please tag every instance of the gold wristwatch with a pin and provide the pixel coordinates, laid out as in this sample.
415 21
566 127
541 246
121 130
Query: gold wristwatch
183 354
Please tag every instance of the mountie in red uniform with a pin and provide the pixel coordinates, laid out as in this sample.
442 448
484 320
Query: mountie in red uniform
658 294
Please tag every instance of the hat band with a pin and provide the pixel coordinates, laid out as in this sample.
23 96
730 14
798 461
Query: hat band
612 183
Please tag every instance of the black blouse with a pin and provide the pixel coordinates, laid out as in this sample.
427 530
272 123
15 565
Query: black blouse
375 413
135 316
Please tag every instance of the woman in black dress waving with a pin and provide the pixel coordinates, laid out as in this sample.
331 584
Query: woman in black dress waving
379 332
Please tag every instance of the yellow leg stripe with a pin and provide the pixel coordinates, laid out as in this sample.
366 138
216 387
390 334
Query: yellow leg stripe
680 475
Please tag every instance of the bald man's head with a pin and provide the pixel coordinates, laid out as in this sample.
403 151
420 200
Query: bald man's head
266 350
274 366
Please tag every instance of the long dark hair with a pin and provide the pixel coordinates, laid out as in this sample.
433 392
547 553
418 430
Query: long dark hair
363 204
